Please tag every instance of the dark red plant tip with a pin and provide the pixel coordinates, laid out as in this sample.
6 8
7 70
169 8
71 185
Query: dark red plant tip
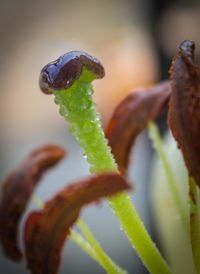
184 107
16 192
66 69
46 231
132 116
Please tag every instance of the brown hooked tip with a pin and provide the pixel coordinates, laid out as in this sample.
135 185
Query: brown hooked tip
184 112
187 48
66 69
16 192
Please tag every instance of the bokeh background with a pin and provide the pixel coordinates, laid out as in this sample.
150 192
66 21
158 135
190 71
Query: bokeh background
135 41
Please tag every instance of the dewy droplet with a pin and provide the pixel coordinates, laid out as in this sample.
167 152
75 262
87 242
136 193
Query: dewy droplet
63 110
85 104
88 127
98 117
56 100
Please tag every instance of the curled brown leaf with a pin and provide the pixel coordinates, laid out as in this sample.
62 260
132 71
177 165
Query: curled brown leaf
131 116
16 192
46 230
184 107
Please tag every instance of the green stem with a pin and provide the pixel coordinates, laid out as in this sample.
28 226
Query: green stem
93 249
194 223
37 201
106 261
138 235
84 245
157 143
77 107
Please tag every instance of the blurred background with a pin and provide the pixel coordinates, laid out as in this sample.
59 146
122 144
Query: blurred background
135 40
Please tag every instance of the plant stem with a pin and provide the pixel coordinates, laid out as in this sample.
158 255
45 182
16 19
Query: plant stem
194 223
84 245
78 109
94 250
138 235
157 143
37 201
106 261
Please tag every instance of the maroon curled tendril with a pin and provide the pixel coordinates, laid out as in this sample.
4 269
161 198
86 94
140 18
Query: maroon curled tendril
184 107
46 230
16 192
132 116
66 69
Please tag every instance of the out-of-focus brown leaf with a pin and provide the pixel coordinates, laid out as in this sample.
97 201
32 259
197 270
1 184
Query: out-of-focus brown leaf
16 192
184 107
46 230
131 116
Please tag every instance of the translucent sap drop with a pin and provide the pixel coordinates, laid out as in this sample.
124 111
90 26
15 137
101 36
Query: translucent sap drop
56 100
85 104
98 118
63 110
88 127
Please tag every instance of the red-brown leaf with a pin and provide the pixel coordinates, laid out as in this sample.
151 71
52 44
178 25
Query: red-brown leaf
16 192
46 230
184 108
131 116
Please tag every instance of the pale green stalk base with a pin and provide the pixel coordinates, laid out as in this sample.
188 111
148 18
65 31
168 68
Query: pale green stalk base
94 250
157 143
194 223
138 235
37 201
105 261
174 240
77 108
84 245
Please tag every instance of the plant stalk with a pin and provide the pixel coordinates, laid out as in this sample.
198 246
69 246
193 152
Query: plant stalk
77 107
105 261
157 143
